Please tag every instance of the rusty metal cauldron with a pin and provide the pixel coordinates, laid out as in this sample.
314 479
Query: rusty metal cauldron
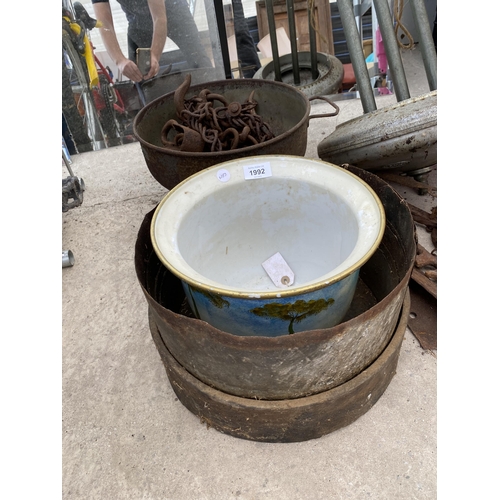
280 105
290 366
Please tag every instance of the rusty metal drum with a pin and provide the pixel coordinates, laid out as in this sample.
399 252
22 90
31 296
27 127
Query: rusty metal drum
291 366
289 420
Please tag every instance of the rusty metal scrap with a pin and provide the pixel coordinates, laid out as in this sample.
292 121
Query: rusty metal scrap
408 181
422 217
425 258
419 277
203 126
422 320
429 220
425 270
432 275
423 283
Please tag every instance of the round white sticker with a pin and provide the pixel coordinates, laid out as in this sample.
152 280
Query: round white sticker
223 175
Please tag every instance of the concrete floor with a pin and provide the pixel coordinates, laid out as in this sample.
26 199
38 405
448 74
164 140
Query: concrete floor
125 434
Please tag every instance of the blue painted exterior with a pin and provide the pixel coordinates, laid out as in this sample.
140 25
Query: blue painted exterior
250 316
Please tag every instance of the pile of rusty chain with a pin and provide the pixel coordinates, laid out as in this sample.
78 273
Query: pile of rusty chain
201 126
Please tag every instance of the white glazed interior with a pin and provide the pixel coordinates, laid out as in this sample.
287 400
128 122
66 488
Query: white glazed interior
324 221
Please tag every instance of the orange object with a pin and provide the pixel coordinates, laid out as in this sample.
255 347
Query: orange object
349 77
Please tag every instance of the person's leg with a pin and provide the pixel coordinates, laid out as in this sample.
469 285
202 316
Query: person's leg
247 53
182 30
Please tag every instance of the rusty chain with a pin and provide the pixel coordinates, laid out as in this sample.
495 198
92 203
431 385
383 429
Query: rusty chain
202 126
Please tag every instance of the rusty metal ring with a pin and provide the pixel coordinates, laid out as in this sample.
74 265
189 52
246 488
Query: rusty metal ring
234 133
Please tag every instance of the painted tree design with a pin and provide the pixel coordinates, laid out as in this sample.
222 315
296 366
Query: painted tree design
294 312
216 300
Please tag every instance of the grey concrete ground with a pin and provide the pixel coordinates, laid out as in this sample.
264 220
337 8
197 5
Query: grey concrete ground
125 434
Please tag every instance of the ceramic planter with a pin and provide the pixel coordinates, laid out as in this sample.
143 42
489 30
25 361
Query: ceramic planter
218 229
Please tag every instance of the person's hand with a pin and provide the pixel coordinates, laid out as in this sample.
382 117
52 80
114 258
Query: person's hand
129 69
155 67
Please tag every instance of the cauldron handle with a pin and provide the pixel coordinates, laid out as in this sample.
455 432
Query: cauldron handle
326 115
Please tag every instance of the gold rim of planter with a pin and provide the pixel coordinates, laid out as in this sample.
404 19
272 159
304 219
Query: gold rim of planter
322 283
